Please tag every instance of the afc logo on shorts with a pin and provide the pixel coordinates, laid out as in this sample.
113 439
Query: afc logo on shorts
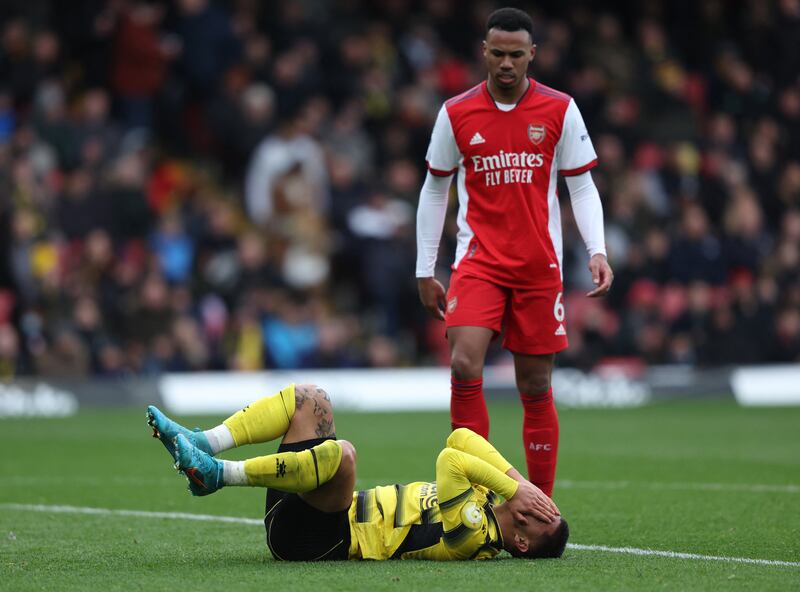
536 132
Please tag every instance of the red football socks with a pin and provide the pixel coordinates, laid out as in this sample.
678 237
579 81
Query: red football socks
540 436
468 406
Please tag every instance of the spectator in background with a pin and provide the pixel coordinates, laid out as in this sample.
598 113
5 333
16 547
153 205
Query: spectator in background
152 316
208 46
140 61
81 208
383 232
203 47
290 148
97 135
241 117
174 249
11 361
65 358
52 125
746 244
697 254
290 334
787 335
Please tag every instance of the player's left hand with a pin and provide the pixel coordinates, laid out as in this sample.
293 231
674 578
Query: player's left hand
532 501
602 276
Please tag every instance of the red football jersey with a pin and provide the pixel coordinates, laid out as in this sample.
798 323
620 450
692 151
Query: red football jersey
509 222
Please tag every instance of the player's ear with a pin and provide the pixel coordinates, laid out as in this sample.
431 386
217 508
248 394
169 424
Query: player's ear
521 543
533 52
483 47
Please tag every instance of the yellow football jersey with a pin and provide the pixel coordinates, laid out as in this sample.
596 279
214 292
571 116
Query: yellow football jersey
405 522
446 520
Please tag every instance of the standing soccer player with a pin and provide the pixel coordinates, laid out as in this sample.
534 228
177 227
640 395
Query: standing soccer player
508 138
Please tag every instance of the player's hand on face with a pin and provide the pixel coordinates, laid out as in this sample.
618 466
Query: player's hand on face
532 501
602 276
432 295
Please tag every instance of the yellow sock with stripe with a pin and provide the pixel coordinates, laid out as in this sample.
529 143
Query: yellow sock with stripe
295 472
264 420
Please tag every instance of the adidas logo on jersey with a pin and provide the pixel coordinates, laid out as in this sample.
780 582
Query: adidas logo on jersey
561 330
477 139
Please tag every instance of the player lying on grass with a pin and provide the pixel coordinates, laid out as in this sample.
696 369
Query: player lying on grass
312 512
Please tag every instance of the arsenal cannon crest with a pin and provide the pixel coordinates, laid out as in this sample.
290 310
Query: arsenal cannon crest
536 132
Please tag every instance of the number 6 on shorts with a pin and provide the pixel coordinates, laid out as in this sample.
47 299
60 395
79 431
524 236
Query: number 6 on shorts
558 308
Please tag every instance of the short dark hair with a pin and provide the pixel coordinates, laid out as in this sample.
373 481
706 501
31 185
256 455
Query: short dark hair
547 547
510 19
551 547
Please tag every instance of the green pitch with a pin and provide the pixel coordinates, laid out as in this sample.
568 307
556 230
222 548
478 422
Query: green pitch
705 478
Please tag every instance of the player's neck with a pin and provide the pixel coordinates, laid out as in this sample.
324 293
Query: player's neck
505 523
508 96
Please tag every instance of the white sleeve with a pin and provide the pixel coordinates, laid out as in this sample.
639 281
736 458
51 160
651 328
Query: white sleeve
443 155
430 221
258 185
574 152
588 211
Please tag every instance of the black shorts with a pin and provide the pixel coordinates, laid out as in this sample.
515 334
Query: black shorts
297 531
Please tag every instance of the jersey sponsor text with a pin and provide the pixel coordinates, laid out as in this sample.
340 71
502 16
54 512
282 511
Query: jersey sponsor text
507 167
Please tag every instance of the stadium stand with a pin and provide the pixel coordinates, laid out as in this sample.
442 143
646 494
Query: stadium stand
232 185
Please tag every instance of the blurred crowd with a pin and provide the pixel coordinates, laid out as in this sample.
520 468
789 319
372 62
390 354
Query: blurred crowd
197 185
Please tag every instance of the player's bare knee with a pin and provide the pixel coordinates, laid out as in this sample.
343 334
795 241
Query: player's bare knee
465 367
535 386
313 407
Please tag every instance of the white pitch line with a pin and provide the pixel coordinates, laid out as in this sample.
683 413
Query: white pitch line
131 513
678 555
255 522
741 487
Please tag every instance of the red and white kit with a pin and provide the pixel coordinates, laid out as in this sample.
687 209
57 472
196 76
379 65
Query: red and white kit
507 265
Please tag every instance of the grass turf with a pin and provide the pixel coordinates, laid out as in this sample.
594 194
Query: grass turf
674 477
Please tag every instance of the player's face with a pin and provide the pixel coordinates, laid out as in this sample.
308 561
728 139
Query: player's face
507 55
528 536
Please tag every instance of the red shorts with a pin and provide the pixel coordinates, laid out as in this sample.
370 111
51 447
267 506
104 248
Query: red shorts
533 318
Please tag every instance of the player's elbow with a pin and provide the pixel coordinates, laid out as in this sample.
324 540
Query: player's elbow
348 453
458 438
347 466
445 460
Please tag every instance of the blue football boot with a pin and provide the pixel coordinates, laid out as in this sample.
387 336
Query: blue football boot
167 430
203 471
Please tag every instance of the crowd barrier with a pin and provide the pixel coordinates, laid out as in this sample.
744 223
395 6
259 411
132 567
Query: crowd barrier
405 389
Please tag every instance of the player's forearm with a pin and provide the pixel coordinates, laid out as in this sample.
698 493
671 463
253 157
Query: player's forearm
468 441
430 222
588 211
457 471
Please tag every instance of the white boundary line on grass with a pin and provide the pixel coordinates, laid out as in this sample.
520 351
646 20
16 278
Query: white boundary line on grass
253 521
129 513
740 487
678 555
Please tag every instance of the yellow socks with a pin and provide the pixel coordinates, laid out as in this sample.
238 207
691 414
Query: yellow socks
295 472
265 420
262 421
